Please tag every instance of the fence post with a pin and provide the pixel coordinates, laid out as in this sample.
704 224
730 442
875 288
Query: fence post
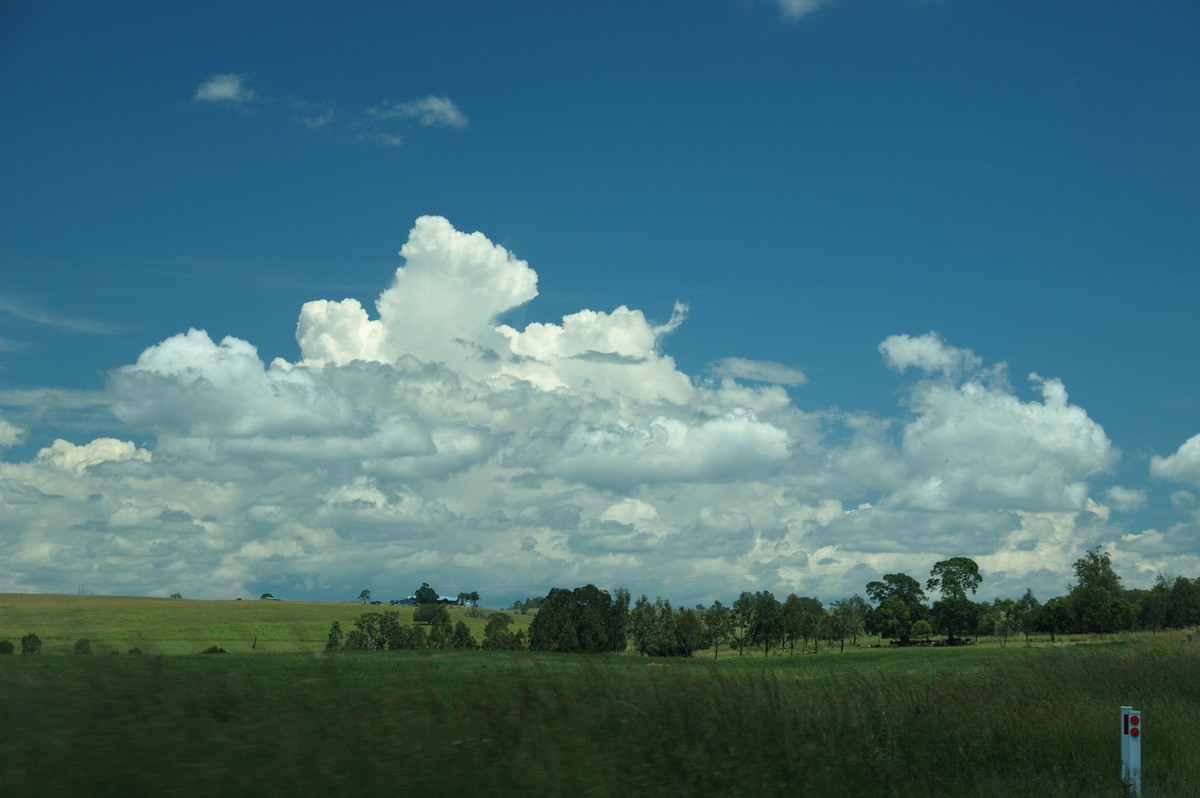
1131 749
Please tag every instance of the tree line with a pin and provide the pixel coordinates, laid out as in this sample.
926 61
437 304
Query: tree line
897 607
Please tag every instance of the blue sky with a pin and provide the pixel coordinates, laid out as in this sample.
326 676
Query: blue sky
755 300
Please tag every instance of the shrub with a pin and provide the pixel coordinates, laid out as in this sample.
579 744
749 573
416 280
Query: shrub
31 644
6 647
433 614
334 641
213 650
83 646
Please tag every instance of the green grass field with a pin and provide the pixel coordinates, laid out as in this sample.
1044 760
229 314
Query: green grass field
180 626
978 721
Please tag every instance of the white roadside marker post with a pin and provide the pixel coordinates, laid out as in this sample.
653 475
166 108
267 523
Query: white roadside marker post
1131 749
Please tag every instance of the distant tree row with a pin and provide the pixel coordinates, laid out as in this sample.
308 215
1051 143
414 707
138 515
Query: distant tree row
587 619
32 644
431 628
529 604
1095 603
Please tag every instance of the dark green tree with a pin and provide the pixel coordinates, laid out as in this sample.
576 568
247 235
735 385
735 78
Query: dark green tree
892 621
83 646
766 621
900 585
689 633
618 617
718 623
462 636
955 576
432 614
496 635
1097 600
663 638
1025 612
441 634
579 620
1003 612
425 594
642 622
955 613
31 644
743 619
859 609
6 647
845 620
791 620
334 641
813 620
1184 606
365 597
1054 617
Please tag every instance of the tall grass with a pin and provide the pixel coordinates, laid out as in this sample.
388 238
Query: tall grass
1023 722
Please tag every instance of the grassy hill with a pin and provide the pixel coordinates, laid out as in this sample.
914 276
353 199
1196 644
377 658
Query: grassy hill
183 626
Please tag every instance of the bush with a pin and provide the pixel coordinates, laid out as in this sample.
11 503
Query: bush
31 644
334 641
83 646
213 650
433 614
6 647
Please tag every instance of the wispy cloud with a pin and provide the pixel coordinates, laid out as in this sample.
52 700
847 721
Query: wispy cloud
798 9
319 120
30 312
739 368
430 111
385 123
228 88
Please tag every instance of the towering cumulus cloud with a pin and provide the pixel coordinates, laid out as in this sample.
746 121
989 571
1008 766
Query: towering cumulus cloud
420 438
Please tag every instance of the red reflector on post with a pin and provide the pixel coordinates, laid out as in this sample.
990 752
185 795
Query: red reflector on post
1135 731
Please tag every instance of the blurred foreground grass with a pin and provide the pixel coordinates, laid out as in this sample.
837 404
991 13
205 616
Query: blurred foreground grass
966 722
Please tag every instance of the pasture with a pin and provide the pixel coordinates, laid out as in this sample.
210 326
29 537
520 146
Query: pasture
181 626
984 720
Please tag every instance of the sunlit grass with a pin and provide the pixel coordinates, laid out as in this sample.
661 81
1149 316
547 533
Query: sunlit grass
180 626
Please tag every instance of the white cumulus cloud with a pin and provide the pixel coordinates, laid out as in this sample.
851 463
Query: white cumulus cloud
1182 466
1125 500
10 434
417 438
979 445
928 353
